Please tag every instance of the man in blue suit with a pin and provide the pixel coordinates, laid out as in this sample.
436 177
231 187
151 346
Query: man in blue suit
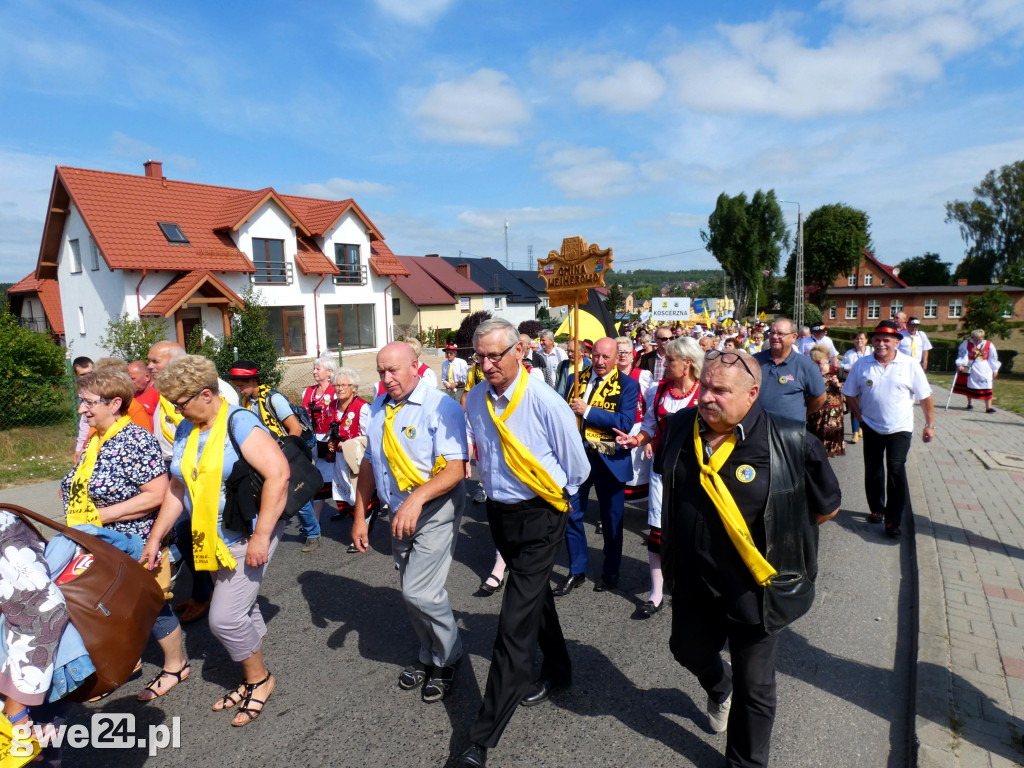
606 401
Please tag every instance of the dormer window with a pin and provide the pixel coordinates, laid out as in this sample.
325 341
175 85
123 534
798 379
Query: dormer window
173 233
868 278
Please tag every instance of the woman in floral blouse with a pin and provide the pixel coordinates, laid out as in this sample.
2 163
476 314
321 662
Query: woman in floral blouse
119 482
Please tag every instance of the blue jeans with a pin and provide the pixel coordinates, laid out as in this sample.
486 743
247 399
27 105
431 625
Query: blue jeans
854 423
308 523
611 498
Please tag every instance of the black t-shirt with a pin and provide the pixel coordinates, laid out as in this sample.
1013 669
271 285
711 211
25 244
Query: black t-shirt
706 559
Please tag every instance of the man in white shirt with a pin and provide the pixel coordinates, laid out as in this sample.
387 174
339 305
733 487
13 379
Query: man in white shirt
819 338
915 343
880 392
552 355
453 372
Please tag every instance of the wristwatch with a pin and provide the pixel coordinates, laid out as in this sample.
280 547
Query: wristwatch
929 426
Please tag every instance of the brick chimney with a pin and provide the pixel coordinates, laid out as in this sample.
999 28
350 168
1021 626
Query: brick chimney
961 281
463 269
433 256
154 169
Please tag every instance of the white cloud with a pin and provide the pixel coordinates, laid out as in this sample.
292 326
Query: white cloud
416 12
342 189
766 68
125 146
24 193
483 108
489 219
591 173
607 81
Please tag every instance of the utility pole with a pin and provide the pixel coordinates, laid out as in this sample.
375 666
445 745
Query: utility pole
798 272
506 243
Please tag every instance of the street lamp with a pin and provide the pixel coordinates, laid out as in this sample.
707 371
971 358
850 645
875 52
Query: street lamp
798 272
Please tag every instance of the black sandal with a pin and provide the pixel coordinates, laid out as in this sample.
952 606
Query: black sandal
180 676
230 699
485 585
244 707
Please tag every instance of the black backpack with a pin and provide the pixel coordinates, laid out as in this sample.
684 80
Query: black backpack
298 412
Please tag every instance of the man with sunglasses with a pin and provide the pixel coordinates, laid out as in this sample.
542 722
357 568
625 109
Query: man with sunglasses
791 383
744 492
654 361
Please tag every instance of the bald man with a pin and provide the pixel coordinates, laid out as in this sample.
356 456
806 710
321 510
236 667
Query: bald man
417 472
145 392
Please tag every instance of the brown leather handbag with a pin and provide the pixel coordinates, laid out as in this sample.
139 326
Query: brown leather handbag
113 605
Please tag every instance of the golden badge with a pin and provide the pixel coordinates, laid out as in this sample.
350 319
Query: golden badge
410 432
869 382
745 473
782 379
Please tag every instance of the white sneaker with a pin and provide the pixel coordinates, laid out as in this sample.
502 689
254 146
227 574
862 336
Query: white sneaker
718 714
480 496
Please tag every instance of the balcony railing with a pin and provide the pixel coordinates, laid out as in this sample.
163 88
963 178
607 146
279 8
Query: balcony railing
37 324
351 274
271 273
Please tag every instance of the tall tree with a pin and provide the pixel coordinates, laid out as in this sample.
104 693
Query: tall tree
924 270
992 225
835 236
615 300
985 310
747 238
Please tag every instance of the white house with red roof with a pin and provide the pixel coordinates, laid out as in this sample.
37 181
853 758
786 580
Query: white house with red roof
148 246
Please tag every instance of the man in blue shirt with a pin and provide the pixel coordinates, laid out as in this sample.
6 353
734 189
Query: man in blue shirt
791 384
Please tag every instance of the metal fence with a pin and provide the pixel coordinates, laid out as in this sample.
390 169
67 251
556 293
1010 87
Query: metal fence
37 401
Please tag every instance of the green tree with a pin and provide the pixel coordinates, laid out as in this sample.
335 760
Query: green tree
33 386
25 353
992 224
250 339
129 339
464 336
835 236
642 294
985 310
531 328
747 238
976 270
615 300
924 270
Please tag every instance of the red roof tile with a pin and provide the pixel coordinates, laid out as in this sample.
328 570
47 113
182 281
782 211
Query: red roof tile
312 261
183 287
885 268
384 262
49 296
122 212
421 289
445 274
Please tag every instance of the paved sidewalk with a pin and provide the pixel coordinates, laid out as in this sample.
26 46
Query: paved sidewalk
969 523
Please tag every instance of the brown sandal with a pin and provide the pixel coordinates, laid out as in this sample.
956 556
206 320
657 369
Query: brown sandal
245 707
180 676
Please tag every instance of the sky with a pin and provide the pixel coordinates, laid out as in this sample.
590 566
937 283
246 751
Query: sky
445 118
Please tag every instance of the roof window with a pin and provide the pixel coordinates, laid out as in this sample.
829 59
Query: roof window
173 233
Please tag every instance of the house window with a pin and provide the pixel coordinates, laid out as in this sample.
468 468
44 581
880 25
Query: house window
464 304
94 255
497 302
288 327
268 258
867 279
956 308
874 309
81 319
851 280
851 309
396 306
346 257
1008 310
832 312
895 306
350 326
76 258
931 308
173 233
882 282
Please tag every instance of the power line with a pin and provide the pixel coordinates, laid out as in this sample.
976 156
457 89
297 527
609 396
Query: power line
649 258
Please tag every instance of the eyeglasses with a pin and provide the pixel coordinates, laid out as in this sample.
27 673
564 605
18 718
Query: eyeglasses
728 358
93 403
179 407
624 353
773 332
495 359
663 338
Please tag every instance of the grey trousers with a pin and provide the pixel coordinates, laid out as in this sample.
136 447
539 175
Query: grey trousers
423 563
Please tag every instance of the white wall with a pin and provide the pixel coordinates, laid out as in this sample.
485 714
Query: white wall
90 297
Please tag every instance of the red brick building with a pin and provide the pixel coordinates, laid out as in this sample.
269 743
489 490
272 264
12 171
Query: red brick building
874 292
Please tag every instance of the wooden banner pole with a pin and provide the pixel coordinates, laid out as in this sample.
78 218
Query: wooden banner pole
579 351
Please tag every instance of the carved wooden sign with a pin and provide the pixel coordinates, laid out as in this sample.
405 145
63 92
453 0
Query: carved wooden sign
569 274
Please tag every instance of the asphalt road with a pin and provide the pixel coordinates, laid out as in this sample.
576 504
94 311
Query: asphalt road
339 635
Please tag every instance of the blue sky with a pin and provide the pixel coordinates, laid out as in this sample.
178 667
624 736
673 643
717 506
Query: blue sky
444 118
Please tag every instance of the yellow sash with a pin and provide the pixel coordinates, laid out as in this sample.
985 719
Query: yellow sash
268 417
405 472
167 413
203 476
609 387
523 464
474 377
81 509
732 519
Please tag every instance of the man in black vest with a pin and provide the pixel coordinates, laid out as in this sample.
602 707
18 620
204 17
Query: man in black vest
719 521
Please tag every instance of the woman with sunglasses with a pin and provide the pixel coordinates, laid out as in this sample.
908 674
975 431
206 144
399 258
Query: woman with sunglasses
118 483
205 454
680 388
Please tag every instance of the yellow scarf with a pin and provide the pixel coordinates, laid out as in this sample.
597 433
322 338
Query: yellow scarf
81 509
732 519
268 417
474 377
523 464
203 478
405 472
168 414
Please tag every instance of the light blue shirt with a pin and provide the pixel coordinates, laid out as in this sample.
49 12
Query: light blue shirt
543 422
431 424
278 402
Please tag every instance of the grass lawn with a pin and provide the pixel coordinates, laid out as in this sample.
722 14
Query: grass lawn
1008 389
35 454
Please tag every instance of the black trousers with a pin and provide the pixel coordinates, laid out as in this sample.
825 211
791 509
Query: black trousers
700 628
528 536
885 473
